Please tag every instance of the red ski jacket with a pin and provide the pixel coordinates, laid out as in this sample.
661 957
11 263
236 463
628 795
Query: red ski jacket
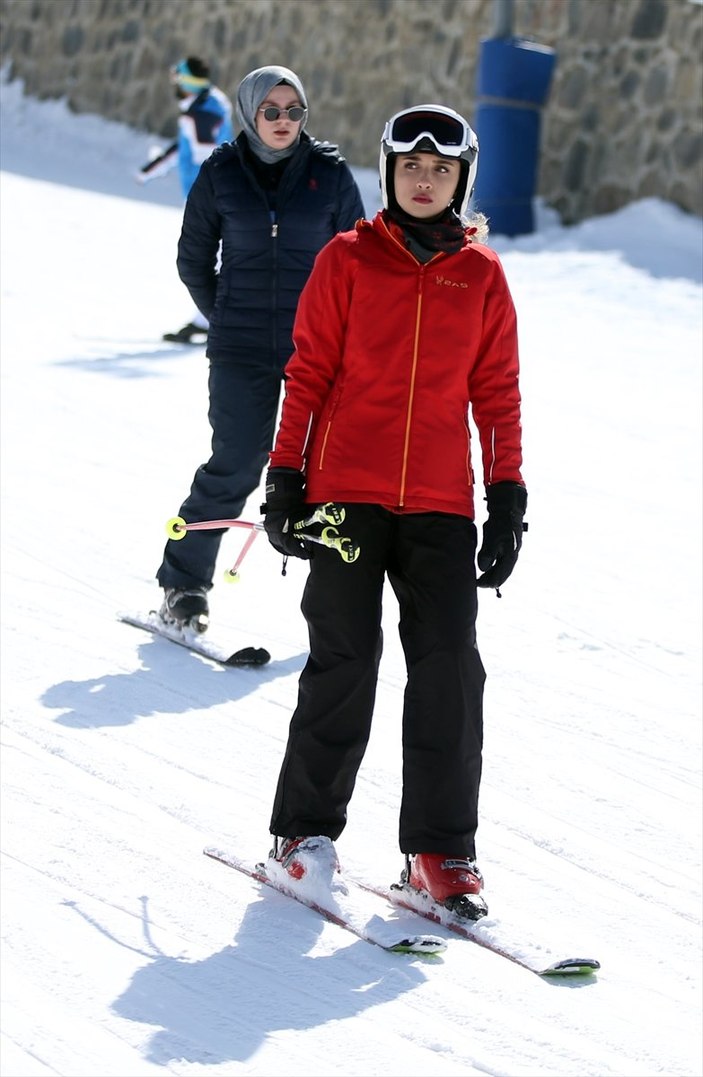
389 354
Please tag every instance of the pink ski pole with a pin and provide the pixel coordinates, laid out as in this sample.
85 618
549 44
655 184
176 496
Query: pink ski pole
232 574
177 528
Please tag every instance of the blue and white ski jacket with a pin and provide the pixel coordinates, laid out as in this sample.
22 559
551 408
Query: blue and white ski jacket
205 123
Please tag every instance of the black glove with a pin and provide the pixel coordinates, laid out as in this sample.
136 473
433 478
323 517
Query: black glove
284 508
502 532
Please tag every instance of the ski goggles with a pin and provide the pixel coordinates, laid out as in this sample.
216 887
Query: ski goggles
447 130
294 114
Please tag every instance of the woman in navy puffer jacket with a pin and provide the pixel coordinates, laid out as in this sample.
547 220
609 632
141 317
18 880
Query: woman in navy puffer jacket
259 212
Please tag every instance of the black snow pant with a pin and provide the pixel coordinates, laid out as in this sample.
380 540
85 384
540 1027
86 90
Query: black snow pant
429 561
242 412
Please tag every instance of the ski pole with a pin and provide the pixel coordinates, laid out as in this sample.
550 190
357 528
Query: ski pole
232 574
330 537
323 514
177 528
331 514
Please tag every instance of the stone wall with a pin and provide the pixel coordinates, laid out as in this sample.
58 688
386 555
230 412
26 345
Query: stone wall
623 121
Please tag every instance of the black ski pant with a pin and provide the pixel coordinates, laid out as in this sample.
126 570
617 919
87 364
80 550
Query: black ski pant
428 559
242 413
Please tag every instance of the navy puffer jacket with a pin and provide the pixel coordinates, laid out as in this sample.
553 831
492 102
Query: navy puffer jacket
266 256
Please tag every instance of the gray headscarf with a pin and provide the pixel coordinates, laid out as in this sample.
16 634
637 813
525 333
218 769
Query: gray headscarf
253 89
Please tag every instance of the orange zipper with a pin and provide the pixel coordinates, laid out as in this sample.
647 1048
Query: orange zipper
413 374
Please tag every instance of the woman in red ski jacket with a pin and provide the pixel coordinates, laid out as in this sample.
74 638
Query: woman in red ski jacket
389 352
405 324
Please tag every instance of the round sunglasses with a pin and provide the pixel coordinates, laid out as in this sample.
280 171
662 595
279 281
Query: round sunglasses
294 114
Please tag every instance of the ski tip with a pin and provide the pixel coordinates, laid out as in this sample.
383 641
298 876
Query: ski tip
572 966
249 656
420 944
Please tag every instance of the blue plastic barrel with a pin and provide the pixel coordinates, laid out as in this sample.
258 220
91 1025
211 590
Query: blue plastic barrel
513 81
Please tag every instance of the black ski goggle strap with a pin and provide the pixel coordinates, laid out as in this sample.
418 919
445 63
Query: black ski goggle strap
450 135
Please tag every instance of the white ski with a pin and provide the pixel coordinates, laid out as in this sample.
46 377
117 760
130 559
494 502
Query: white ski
196 642
347 905
352 905
493 935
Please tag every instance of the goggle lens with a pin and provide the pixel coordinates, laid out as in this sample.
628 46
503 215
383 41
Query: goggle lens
444 130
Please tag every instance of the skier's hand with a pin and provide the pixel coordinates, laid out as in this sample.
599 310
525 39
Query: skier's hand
502 532
284 507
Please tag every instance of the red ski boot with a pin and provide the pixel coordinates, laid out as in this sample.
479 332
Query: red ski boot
453 882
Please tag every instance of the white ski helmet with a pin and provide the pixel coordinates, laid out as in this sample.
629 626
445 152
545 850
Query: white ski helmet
435 129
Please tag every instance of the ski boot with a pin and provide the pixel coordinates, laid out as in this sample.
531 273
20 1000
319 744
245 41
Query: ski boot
454 883
309 857
186 334
186 608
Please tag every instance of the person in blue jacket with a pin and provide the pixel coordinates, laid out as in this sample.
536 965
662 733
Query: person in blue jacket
259 211
205 121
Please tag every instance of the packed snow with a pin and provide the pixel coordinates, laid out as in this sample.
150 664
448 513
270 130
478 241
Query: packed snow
125 951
